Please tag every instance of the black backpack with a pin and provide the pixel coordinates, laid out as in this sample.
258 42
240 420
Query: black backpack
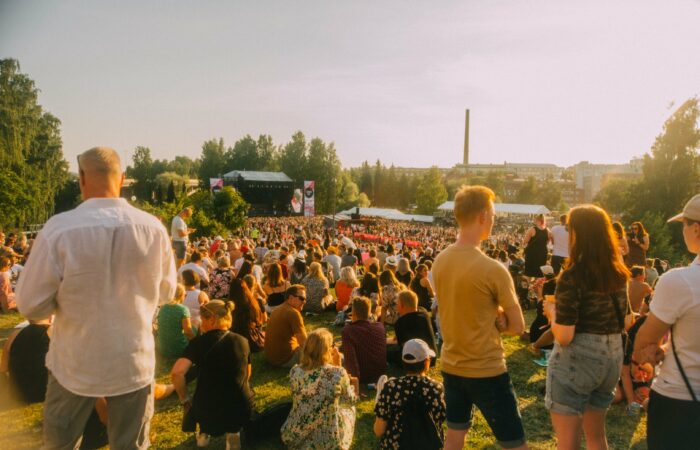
419 432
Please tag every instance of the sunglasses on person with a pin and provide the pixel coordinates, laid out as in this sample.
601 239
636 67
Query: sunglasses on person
301 297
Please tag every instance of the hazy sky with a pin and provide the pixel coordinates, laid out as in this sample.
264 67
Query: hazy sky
546 81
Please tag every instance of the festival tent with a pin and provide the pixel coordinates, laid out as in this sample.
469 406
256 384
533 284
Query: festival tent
387 213
506 208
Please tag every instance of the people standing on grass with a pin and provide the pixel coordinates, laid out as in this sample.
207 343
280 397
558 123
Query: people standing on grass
560 244
101 269
588 317
477 304
535 241
638 243
180 235
674 409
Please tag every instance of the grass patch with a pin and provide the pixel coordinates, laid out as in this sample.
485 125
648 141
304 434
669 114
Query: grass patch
22 425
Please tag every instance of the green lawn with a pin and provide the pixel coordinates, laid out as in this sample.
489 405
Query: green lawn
21 426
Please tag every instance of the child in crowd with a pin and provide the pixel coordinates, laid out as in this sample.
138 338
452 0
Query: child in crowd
410 410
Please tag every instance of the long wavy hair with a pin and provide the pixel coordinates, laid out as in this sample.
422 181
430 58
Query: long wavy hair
594 260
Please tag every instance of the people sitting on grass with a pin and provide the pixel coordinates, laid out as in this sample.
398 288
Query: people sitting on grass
250 316
344 287
369 287
174 325
410 410
316 284
403 271
195 265
274 286
194 297
222 402
285 333
322 415
421 286
635 380
638 288
390 291
413 323
7 296
364 344
221 279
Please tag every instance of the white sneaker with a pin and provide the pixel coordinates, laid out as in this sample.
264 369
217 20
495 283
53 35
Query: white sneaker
380 385
233 441
202 439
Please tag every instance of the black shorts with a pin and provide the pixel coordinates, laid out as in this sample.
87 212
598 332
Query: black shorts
180 248
672 424
495 398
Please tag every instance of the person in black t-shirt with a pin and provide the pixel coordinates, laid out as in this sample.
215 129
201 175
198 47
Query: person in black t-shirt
222 401
413 323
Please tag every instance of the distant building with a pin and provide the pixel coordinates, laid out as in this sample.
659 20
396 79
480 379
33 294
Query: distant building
591 178
518 170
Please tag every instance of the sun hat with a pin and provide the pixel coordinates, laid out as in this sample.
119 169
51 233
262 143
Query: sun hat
690 211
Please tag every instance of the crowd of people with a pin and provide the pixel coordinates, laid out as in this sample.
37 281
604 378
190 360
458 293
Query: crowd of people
107 286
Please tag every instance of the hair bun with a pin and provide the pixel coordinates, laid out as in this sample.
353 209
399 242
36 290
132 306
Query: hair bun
230 307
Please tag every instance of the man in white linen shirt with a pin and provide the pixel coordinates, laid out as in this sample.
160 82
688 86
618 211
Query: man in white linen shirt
560 244
674 411
102 269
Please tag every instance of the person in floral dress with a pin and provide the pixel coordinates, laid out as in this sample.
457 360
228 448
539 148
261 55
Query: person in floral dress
322 415
220 280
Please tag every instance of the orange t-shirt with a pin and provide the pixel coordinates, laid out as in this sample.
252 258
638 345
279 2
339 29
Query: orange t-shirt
342 292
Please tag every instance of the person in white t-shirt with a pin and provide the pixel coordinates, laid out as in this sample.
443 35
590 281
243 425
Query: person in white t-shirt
674 410
195 265
560 244
179 233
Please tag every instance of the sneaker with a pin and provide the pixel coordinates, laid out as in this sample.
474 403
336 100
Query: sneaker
233 441
541 362
380 385
202 439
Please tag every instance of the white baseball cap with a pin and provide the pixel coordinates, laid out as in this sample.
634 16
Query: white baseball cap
416 350
691 211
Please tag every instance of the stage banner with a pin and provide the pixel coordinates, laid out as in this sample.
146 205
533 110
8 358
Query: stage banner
216 184
309 193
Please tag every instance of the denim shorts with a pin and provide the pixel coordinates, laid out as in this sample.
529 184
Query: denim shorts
583 374
495 398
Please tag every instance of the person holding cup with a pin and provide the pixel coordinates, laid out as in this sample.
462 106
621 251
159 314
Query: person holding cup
587 319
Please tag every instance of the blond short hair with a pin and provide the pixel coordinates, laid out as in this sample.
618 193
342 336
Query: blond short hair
102 160
317 349
470 201
408 299
220 310
179 293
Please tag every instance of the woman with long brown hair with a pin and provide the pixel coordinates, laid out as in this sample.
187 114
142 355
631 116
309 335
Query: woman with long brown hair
588 317
249 317
274 286
638 241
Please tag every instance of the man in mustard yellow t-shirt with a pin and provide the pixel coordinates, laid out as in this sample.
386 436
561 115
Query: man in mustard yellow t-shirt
477 303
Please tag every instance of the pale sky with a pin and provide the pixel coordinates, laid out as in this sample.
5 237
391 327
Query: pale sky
546 81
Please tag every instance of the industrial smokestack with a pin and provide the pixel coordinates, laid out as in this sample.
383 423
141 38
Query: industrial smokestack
466 139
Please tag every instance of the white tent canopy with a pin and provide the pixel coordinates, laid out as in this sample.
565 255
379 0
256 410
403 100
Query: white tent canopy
506 208
390 214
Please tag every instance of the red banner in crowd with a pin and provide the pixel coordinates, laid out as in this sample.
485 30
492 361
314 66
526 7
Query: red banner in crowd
367 237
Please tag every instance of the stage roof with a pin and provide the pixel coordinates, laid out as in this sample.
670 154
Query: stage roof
249 175
506 208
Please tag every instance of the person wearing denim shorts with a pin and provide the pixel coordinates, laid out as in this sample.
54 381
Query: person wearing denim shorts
587 321
477 304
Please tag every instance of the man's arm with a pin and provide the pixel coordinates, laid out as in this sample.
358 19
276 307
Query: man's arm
647 344
169 272
515 322
39 283
177 374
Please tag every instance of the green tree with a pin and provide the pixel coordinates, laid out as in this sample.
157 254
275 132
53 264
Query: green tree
30 147
549 194
366 181
528 192
213 161
431 192
142 173
229 208
293 158
616 196
323 166
183 165
363 200
13 198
